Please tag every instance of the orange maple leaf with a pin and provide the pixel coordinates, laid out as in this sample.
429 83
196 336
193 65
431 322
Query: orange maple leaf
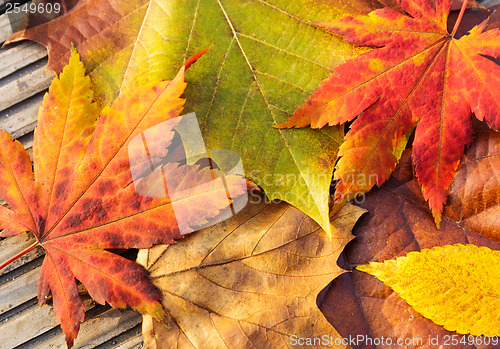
419 75
82 199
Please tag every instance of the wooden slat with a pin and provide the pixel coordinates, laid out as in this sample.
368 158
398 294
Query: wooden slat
132 343
23 119
6 25
28 325
27 141
17 56
19 290
24 87
22 83
11 246
5 28
99 329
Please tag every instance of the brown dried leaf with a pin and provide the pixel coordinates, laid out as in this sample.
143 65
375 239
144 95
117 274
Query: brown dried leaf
251 281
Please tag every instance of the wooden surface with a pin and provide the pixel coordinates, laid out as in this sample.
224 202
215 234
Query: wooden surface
23 324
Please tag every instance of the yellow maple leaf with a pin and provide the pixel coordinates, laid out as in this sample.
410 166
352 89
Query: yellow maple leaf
456 286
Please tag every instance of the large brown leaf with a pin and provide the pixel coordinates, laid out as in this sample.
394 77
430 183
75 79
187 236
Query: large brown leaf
249 282
399 222
474 200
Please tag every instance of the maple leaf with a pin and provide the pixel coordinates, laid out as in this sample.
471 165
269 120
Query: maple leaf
256 77
249 282
456 286
418 75
399 222
82 201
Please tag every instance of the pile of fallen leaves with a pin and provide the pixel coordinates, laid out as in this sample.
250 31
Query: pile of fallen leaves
408 102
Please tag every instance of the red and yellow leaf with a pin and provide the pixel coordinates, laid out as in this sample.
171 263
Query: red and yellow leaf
17 188
419 76
65 124
82 200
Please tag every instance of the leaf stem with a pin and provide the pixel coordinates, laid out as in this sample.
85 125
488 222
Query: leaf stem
20 254
459 19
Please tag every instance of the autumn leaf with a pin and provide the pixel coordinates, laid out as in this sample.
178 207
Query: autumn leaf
399 222
456 286
474 199
419 76
267 58
251 281
82 201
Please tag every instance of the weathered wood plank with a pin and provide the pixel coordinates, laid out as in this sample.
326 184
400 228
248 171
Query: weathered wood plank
27 142
23 119
99 329
19 290
17 56
6 25
11 246
24 87
28 325
132 343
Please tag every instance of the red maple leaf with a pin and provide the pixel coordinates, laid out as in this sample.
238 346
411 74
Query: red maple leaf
418 75
82 199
